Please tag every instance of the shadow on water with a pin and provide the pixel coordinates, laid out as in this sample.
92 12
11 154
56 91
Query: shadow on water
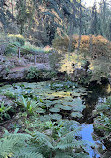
96 95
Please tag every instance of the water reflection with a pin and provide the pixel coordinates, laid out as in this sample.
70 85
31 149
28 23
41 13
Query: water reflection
86 135
96 95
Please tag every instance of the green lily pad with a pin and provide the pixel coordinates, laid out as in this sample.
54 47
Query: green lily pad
79 108
56 116
76 115
75 94
45 118
40 110
66 107
48 103
54 109
66 103
84 94
58 106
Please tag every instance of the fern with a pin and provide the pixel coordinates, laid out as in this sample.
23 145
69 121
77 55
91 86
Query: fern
68 141
17 145
62 155
43 139
27 154
62 147
6 147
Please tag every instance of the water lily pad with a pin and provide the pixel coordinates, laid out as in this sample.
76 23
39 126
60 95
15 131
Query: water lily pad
76 115
75 94
81 89
78 107
56 116
66 107
68 99
57 102
58 106
40 110
48 103
45 118
54 109
50 97
66 103
84 94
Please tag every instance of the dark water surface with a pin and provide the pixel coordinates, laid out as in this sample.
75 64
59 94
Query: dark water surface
97 95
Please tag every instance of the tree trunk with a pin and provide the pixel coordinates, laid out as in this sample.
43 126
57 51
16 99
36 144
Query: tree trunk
80 31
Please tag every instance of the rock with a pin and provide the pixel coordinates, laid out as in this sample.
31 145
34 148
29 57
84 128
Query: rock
48 132
3 71
2 98
40 57
20 62
78 73
94 113
17 75
1 58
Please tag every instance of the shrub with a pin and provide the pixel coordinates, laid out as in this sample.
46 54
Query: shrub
29 48
62 43
100 45
17 38
54 60
96 52
32 73
14 40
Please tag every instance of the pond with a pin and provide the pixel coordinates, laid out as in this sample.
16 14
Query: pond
62 100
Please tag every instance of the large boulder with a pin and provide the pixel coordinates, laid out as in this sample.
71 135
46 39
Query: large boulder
17 75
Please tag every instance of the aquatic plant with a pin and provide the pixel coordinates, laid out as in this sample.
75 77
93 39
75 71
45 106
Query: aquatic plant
4 111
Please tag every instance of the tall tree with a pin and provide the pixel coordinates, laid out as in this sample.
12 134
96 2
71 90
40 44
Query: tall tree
94 20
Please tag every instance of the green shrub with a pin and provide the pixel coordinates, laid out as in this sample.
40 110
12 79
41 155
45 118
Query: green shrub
62 43
32 73
55 59
17 38
29 48
15 41
100 45
12 48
